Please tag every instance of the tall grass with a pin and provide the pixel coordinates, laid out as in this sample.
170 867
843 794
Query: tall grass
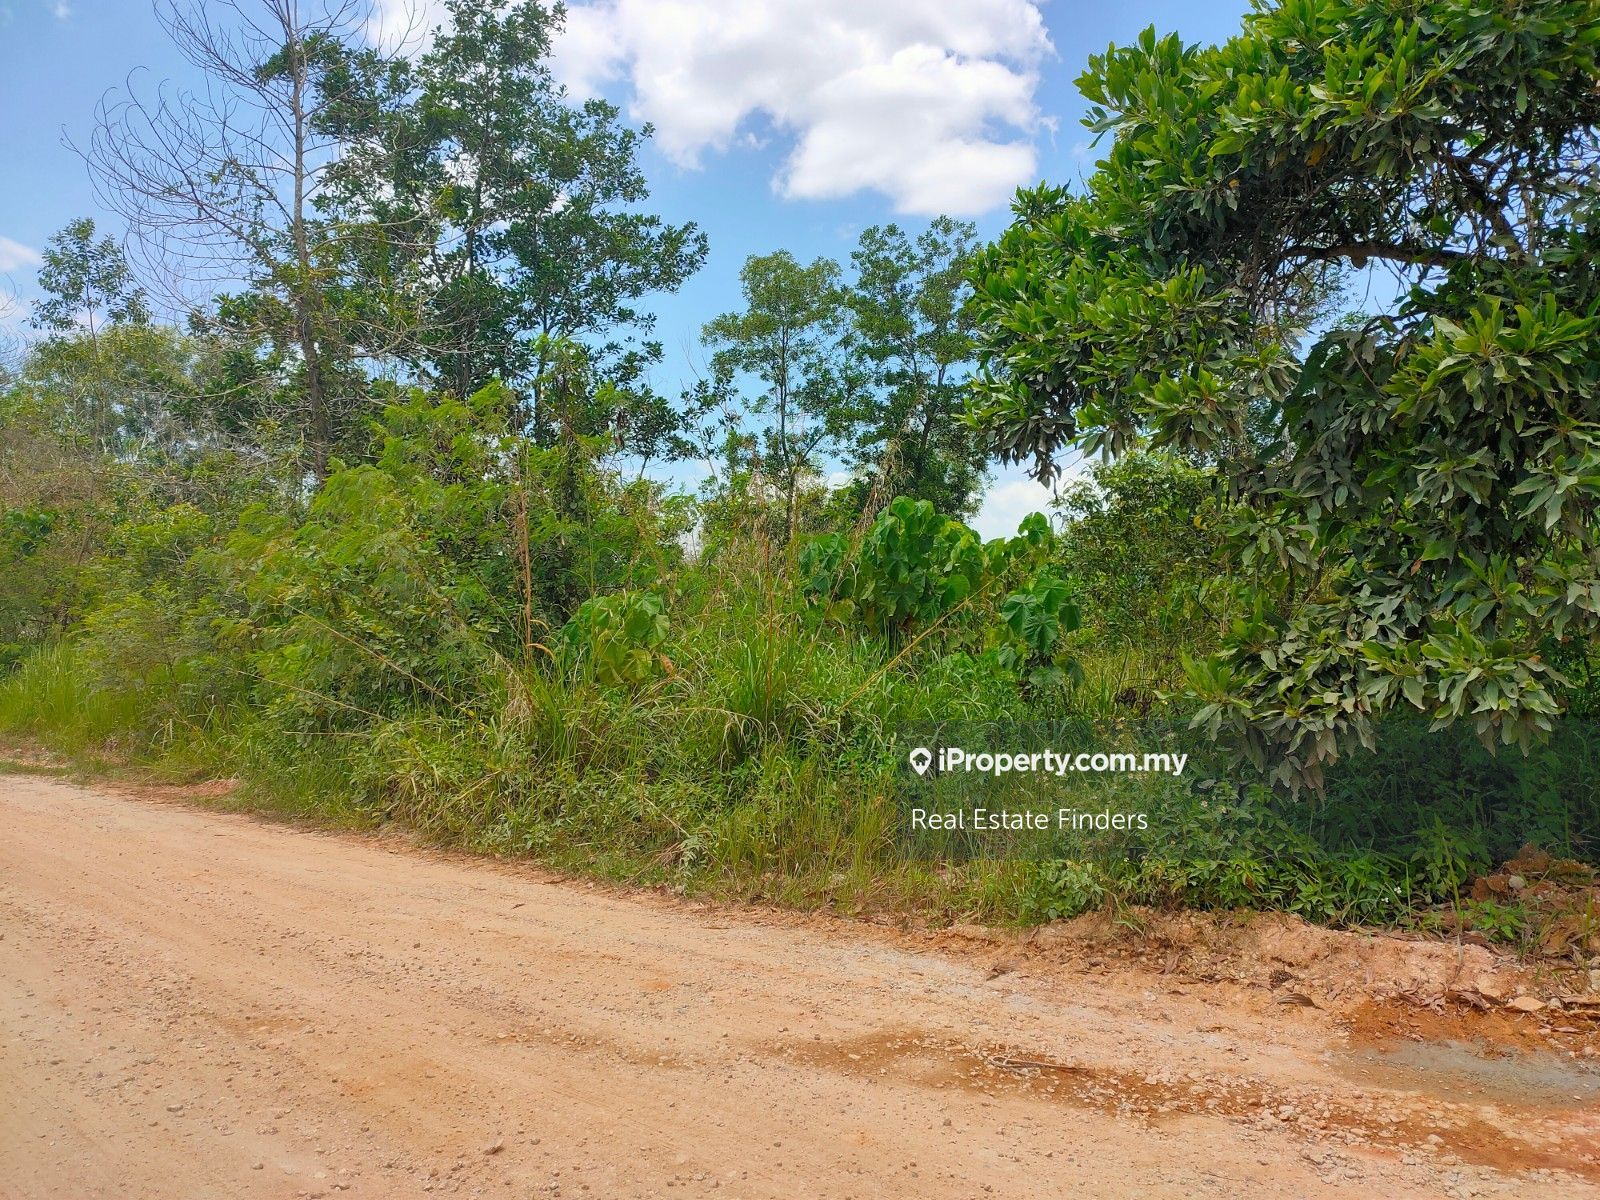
762 763
52 699
60 699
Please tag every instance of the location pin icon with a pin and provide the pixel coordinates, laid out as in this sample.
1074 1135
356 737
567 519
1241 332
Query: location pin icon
919 759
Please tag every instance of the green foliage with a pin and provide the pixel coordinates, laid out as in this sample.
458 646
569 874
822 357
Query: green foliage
107 377
913 566
916 569
37 587
361 612
913 323
868 370
507 219
1420 488
87 280
1354 889
1398 832
1145 539
618 637
792 338
128 389
1037 619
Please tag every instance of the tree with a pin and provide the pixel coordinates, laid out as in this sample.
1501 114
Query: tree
491 218
86 284
793 336
98 353
1425 484
223 184
1142 538
911 314
127 390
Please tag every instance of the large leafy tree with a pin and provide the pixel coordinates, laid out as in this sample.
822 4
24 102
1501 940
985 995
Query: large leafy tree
1424 480
487 217
913 325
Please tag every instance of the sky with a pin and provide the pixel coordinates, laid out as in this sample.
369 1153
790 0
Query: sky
788 124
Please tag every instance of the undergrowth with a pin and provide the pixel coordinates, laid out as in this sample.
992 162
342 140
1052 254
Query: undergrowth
764 765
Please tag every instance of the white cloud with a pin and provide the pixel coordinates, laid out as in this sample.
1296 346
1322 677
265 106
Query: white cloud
930 104
404 25
14 255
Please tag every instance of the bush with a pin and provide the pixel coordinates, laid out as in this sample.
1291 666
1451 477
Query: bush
618 638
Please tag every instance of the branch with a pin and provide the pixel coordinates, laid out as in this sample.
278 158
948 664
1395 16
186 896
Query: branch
1358 252
1482 202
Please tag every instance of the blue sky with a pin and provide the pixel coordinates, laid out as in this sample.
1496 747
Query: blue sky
780 123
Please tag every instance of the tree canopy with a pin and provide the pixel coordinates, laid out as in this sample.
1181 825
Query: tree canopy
913 323
792 339
507 217
1421 480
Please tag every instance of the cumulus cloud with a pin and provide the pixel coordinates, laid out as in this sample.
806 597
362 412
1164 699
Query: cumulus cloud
14 255
930 104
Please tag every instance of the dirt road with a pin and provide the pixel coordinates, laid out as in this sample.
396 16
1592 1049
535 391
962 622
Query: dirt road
196 1004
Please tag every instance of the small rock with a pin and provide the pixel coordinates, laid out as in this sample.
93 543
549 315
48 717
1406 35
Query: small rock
495 1146
1489 987
1525 1004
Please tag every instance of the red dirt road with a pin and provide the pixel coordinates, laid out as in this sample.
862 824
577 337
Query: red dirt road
195 1004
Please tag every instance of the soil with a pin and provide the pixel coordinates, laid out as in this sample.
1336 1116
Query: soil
196 1003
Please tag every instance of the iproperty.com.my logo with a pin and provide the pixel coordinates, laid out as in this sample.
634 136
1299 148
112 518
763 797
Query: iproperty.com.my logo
947 760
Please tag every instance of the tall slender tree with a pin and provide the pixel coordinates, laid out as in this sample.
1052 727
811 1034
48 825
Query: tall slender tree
221 187
911 310
793 338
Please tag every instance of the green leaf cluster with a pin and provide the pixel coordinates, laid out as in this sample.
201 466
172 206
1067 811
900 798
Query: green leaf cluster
1416 490
618 637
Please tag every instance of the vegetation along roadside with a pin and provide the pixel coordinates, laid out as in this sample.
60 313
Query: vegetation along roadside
395 527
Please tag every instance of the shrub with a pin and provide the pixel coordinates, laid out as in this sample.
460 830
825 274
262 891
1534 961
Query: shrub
618 637
912 567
